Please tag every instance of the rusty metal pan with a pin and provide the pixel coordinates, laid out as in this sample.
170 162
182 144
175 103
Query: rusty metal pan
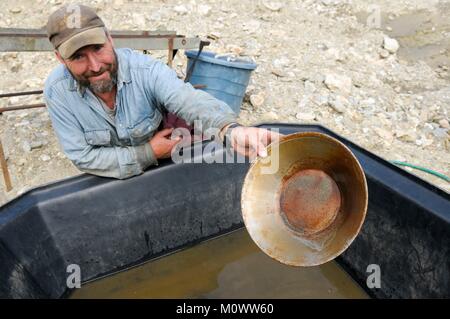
309 209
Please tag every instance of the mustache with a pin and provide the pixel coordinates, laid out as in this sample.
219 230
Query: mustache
101 71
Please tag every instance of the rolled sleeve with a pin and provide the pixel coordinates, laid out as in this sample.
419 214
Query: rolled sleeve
188 103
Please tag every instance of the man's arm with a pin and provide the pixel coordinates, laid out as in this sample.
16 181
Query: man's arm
108 161
185 101
191 104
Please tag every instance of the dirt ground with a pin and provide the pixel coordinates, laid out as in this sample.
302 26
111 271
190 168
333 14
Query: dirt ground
377 74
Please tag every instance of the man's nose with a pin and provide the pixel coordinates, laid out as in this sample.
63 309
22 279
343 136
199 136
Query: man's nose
94 64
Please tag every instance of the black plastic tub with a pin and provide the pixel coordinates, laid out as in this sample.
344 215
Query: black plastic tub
104 225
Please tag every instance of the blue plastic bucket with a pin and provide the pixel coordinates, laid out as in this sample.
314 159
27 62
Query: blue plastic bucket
225 80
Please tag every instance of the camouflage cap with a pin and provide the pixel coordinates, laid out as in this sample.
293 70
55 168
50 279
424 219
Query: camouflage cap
74 26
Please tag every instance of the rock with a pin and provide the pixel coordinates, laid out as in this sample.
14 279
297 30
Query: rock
305 116
26 146
280 63
441 133
270 116
251 26
444 123
44 158
388 28
15 67
204 10
406 135
424 142
338 103
320 99
273 6
214 36
330 2
335 54
338 83
181 9
15 10
309 87
22 123
279 73
390 44
236 50
384 134
257 100
384 53
37 144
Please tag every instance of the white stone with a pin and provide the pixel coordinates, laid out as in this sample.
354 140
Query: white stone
384 134
204 10
26 146
338 103
338 83
305 116
273 6
181 9
384 53
257 100
16 10
444 123
391 44
271 116
44 158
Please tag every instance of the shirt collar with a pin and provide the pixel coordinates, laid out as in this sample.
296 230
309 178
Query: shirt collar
123 75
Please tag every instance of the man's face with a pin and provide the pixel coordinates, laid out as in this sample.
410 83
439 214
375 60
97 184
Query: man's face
94 66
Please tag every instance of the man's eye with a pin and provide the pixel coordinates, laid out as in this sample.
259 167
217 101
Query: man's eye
98 47
76 57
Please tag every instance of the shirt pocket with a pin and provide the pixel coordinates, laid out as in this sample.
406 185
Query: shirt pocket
142 131
98 137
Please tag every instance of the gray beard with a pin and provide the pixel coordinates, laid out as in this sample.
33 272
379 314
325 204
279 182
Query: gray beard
104 86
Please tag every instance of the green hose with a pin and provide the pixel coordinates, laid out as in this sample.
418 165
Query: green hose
426 170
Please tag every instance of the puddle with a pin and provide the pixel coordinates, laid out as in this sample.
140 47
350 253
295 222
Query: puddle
231 266
423 35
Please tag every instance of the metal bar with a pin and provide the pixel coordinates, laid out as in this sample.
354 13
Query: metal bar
17 40
21 93
20 107
4 166
170 57
41 33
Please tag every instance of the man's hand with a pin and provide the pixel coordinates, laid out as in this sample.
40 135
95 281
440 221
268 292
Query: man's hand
161 143
252 141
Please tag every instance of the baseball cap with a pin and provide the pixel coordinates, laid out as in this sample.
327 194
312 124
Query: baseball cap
74 26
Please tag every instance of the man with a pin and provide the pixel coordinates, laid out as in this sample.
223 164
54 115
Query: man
106 104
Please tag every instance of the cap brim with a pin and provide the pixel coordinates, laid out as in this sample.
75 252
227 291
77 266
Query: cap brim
82 39
260 201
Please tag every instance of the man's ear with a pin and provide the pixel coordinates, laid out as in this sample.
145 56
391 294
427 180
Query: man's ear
59 57
110 39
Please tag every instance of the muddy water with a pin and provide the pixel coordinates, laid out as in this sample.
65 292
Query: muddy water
422 34
231 266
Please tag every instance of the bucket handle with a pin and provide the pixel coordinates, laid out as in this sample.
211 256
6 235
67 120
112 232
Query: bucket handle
191 69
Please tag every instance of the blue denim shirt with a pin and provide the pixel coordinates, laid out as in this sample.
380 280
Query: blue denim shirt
118 148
